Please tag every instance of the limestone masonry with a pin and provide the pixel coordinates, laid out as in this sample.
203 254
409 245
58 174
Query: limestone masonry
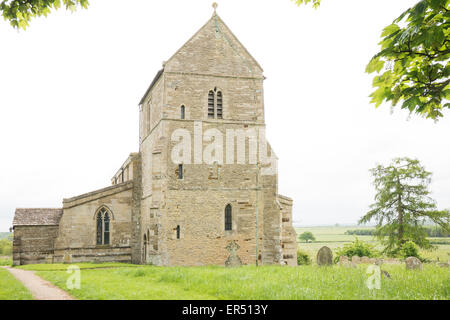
165 212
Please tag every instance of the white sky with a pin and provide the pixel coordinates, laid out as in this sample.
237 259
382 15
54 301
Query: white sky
70 85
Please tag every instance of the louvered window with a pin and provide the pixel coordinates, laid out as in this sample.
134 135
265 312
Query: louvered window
228 218
211 105
219 105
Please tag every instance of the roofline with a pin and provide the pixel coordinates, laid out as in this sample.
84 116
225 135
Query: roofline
231 32
155 80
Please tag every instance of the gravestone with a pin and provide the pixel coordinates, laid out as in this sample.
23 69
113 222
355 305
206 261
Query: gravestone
325 257
343 260
233 259
412 263
356 259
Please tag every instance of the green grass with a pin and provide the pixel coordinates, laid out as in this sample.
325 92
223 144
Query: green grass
11 288
254 283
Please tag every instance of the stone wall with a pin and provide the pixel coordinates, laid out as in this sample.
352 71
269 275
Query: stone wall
289 236
33 244
76 241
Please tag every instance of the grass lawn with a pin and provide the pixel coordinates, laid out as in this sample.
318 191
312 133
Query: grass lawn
11 288
250 282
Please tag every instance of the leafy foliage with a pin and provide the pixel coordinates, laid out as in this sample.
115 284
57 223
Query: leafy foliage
20 12
315 3
356 248
409 249
432 232
303 258
415 51
402 204
360 232
306 236
5 247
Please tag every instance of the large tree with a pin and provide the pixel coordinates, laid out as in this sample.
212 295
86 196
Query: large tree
20 12
402 204
413 65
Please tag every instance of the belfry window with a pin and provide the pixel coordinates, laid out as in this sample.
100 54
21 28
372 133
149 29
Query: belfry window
215 104
228 218
211 105
103 226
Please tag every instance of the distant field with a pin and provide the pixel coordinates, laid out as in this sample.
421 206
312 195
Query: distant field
5 235
252 283
335 237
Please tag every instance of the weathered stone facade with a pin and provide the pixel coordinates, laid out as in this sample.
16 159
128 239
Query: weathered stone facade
155 213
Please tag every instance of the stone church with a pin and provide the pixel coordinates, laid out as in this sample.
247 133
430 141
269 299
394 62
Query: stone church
191 211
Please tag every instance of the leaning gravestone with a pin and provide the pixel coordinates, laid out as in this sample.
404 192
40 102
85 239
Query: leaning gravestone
412 263
233 259
325 257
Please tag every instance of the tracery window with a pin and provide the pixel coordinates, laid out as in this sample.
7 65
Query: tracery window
103 218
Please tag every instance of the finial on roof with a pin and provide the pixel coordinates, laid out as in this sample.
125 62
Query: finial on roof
215 5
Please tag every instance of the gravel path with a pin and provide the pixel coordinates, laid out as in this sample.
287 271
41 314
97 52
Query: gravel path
40 288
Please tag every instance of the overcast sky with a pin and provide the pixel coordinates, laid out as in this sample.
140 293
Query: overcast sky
70 85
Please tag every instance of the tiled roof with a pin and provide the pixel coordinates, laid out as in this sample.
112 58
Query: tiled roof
37 217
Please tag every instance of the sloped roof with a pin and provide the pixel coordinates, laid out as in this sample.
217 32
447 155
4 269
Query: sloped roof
37 217
216 20
158 75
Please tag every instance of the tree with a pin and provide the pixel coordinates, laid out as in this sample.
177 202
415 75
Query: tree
402 205
20 12
415 52
305 236
315 3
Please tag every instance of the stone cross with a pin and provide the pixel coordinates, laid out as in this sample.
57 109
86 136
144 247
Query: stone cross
233 259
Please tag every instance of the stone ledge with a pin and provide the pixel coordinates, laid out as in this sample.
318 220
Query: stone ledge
97 194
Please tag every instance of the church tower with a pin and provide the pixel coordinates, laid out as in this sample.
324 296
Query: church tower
203 184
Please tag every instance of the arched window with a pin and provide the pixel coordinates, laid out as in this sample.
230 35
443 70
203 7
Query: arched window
183 112
103 218
215 104
228 218
211 105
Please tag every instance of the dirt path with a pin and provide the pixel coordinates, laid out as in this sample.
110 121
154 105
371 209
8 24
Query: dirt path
40 288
